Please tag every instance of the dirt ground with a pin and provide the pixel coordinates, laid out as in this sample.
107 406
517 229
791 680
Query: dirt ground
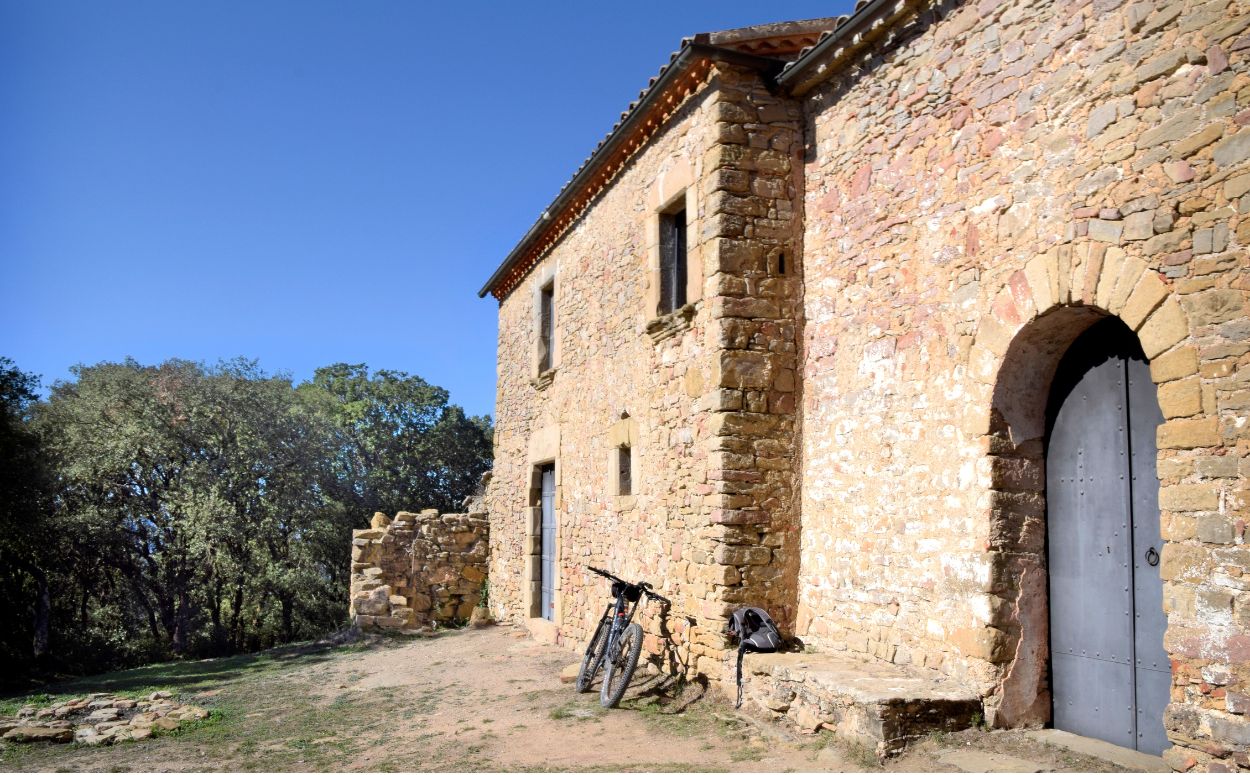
474 700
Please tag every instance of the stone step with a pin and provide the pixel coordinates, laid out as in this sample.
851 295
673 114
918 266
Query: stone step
875 704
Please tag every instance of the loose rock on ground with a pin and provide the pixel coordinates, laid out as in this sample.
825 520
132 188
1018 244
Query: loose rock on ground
99 719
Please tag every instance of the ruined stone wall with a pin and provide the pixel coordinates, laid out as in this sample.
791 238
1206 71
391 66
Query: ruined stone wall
418 569
707 393
979 189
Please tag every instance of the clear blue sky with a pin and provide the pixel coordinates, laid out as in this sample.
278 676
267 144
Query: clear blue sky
299 182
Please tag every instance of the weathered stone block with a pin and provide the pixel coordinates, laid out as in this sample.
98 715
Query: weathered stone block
1163 64
980 643
1181 398
1237 187
1189 497
39 734
1106 231
1183 562
742 555
1189 434
1146 296
1215 528
745 370
1165 327
1215 306
1198 140
1176 364
1139 226
1232 150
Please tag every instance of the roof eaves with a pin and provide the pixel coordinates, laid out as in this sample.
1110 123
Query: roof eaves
871 18
693 50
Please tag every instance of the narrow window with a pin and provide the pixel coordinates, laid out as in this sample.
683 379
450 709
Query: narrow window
624 473
546 326
672 261
781 263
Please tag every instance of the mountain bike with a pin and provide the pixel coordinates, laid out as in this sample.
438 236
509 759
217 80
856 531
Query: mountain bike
617 641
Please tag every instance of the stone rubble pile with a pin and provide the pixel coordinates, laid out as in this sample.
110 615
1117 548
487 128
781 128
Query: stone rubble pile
99 719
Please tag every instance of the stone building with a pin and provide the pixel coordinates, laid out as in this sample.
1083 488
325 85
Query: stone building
925 329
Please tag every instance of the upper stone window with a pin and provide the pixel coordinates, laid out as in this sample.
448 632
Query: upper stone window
546 327
674 281
673 245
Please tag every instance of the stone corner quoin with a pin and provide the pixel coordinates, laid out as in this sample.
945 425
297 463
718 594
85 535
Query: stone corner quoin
888 258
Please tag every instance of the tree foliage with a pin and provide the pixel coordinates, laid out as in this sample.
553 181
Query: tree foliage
182 509
400 440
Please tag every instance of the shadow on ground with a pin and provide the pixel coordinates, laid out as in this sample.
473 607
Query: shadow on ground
200 674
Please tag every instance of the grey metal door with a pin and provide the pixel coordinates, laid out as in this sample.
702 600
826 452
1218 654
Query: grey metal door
1109 674
549 543
1153 668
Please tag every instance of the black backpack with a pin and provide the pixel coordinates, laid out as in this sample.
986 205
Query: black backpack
755 631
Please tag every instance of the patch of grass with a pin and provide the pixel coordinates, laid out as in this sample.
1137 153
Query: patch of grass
692 721
353 648
823 738
943 738
215 716
576 710
744 753
865 758
181 676
10 707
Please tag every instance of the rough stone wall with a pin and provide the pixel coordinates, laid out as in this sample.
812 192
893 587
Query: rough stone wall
981 187
978 191
756 285
712 520
418 570
607 366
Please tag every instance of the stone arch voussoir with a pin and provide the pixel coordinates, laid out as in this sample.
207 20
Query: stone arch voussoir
1032 320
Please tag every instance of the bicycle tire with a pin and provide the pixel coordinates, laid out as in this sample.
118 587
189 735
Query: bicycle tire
619 668
593 659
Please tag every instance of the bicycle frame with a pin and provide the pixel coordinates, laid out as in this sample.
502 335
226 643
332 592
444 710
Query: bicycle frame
619 620
621 617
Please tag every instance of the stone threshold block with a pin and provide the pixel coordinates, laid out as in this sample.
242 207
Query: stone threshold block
878 705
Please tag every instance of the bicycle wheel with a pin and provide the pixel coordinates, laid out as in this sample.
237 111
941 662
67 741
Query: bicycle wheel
619 667
593 659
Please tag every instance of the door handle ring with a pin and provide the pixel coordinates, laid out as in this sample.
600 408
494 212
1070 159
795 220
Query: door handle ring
1152 557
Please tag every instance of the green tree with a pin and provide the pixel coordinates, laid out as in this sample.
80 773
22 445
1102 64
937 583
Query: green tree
28 546
192 510
402 446
197 488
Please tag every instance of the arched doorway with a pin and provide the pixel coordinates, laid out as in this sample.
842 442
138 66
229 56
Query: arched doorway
1110 676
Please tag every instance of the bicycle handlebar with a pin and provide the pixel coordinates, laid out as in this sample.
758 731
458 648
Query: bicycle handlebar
644 586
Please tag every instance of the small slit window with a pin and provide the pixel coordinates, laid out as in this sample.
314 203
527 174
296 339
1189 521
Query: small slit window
546 326
624 471
672 261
